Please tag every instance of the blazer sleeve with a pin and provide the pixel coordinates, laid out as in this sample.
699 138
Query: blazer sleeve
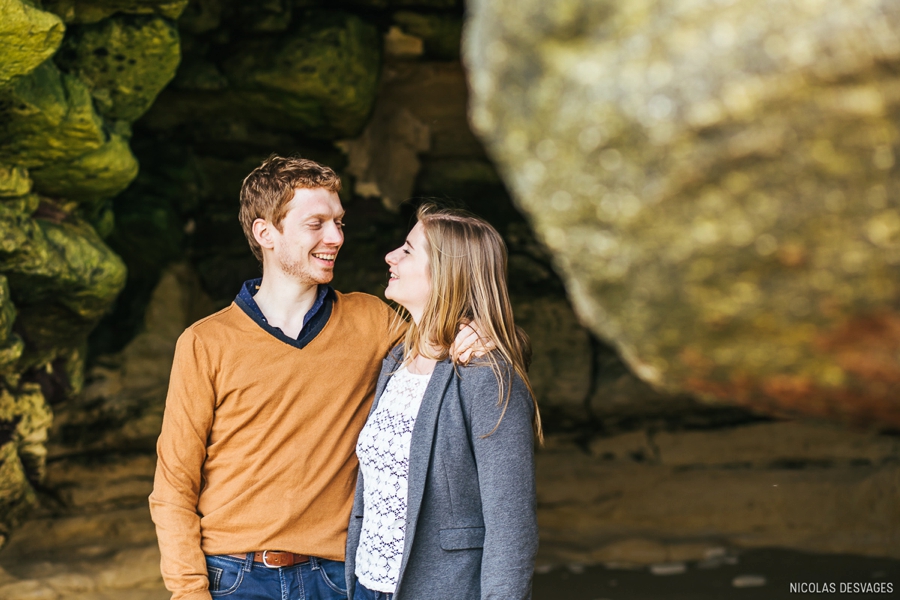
181 450
505 461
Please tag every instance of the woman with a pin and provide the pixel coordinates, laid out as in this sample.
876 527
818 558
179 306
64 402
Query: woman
445 499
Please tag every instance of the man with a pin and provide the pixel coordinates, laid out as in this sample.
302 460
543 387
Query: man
257 468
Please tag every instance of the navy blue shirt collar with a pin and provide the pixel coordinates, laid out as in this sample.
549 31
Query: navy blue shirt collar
245 300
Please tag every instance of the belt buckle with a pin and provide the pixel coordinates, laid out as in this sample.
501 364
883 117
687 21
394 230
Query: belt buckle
265 560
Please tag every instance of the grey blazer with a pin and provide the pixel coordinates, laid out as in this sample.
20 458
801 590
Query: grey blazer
471 523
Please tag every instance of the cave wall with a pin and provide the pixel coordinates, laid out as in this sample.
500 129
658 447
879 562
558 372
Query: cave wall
73 80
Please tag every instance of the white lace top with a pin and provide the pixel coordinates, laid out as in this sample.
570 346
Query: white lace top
383 451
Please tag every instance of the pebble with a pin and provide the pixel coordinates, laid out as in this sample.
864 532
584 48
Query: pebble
745 581
668 568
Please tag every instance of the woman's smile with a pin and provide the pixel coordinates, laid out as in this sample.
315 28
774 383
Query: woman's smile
409 276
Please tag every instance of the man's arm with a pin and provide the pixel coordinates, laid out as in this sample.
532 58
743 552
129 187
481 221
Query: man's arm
181 449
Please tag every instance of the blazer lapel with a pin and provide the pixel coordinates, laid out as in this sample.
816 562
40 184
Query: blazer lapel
420 451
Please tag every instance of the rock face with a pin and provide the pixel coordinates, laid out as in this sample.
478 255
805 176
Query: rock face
64 152
718 184
92 11
314 73
126 61
30 36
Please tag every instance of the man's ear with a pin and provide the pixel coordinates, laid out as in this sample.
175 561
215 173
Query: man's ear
262 231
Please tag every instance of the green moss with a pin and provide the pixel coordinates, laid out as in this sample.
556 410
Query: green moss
93 11
28 37
17 497
10 352
14 181
126 61
439 33
91 178
7 311
19 205
63 279
322 75
11 345
47 117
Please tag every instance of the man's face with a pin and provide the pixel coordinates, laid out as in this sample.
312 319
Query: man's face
310 237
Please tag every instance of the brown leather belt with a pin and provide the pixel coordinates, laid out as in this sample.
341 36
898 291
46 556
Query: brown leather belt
274 559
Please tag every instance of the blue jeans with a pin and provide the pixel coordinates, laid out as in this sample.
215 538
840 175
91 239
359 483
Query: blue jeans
363 593
242 579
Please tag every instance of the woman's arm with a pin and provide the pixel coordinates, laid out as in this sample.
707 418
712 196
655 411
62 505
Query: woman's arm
505 462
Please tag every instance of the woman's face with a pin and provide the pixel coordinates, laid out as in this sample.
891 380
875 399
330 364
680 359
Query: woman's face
410 281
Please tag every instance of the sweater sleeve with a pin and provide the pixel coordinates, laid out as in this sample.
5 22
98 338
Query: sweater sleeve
505 463
181 449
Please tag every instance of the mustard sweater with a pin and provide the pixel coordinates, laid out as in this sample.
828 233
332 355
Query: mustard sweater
257 443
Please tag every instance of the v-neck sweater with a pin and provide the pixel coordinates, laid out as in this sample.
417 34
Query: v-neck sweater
258 437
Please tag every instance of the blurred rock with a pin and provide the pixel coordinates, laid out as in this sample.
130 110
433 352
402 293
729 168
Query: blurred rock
745 581
126 61
440 33
7 311
384 159
395 4
674 568
28 36
716 184
92 11
561 372
14 181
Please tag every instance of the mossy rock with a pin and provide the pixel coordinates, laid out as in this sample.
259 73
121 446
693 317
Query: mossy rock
126 61
202 16
7 311
396 4
94 11
24 420
47 117
62 276
28 37
440 33
91 178
19 205
10 352
14 181
322 75
10 344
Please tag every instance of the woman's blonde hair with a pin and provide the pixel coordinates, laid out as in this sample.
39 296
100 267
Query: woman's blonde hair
468 266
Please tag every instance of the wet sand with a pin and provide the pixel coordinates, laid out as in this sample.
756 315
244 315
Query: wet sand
761 575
